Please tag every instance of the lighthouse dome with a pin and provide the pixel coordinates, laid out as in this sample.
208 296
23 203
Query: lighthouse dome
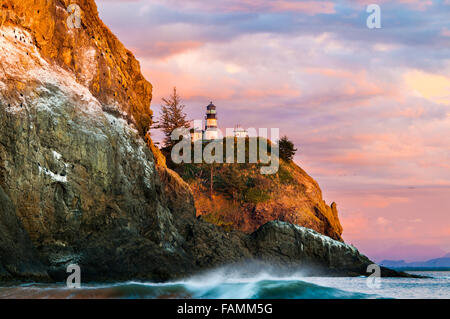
211 106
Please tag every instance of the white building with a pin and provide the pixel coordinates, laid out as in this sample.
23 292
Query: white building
239 132
196 134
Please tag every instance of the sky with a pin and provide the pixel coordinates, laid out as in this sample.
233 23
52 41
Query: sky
368 109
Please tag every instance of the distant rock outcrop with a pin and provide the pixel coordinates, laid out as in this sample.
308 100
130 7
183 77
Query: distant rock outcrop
443 262
78 183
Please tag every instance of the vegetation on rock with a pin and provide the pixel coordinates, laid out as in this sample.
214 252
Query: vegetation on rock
287 149
172 117
244 199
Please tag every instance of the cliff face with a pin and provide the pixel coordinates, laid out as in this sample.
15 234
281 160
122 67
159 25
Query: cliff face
245 200
74 167
91 53
78 183
18 258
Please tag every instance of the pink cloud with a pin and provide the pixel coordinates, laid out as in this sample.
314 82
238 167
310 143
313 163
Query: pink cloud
382 221
406 112
376 154
446 231
307 7
355 224
345 87
337 73
379 201
445 32
398 230
188 85
419 5
164 49
264 93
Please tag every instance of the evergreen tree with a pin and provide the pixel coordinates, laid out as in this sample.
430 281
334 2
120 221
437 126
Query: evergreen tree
172 117
287 149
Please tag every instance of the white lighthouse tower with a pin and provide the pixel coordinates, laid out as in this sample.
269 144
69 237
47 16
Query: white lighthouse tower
211 131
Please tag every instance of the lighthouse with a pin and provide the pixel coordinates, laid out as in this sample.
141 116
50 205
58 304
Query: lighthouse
211 132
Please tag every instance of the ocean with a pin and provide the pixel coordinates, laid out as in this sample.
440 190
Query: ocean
221 285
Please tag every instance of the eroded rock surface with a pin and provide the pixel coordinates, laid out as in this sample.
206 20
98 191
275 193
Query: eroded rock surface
92 53
291 195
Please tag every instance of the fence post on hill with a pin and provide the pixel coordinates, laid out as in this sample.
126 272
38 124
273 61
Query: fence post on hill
211 182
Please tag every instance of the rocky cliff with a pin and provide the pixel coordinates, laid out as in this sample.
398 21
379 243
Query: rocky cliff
91 54
244 199
78 183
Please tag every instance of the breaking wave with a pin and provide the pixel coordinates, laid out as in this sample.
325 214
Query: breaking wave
215 285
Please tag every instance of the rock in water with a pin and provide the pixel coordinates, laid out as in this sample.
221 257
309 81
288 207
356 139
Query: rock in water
80 185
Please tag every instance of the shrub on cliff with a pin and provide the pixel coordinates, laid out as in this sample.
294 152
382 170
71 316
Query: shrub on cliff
287 149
